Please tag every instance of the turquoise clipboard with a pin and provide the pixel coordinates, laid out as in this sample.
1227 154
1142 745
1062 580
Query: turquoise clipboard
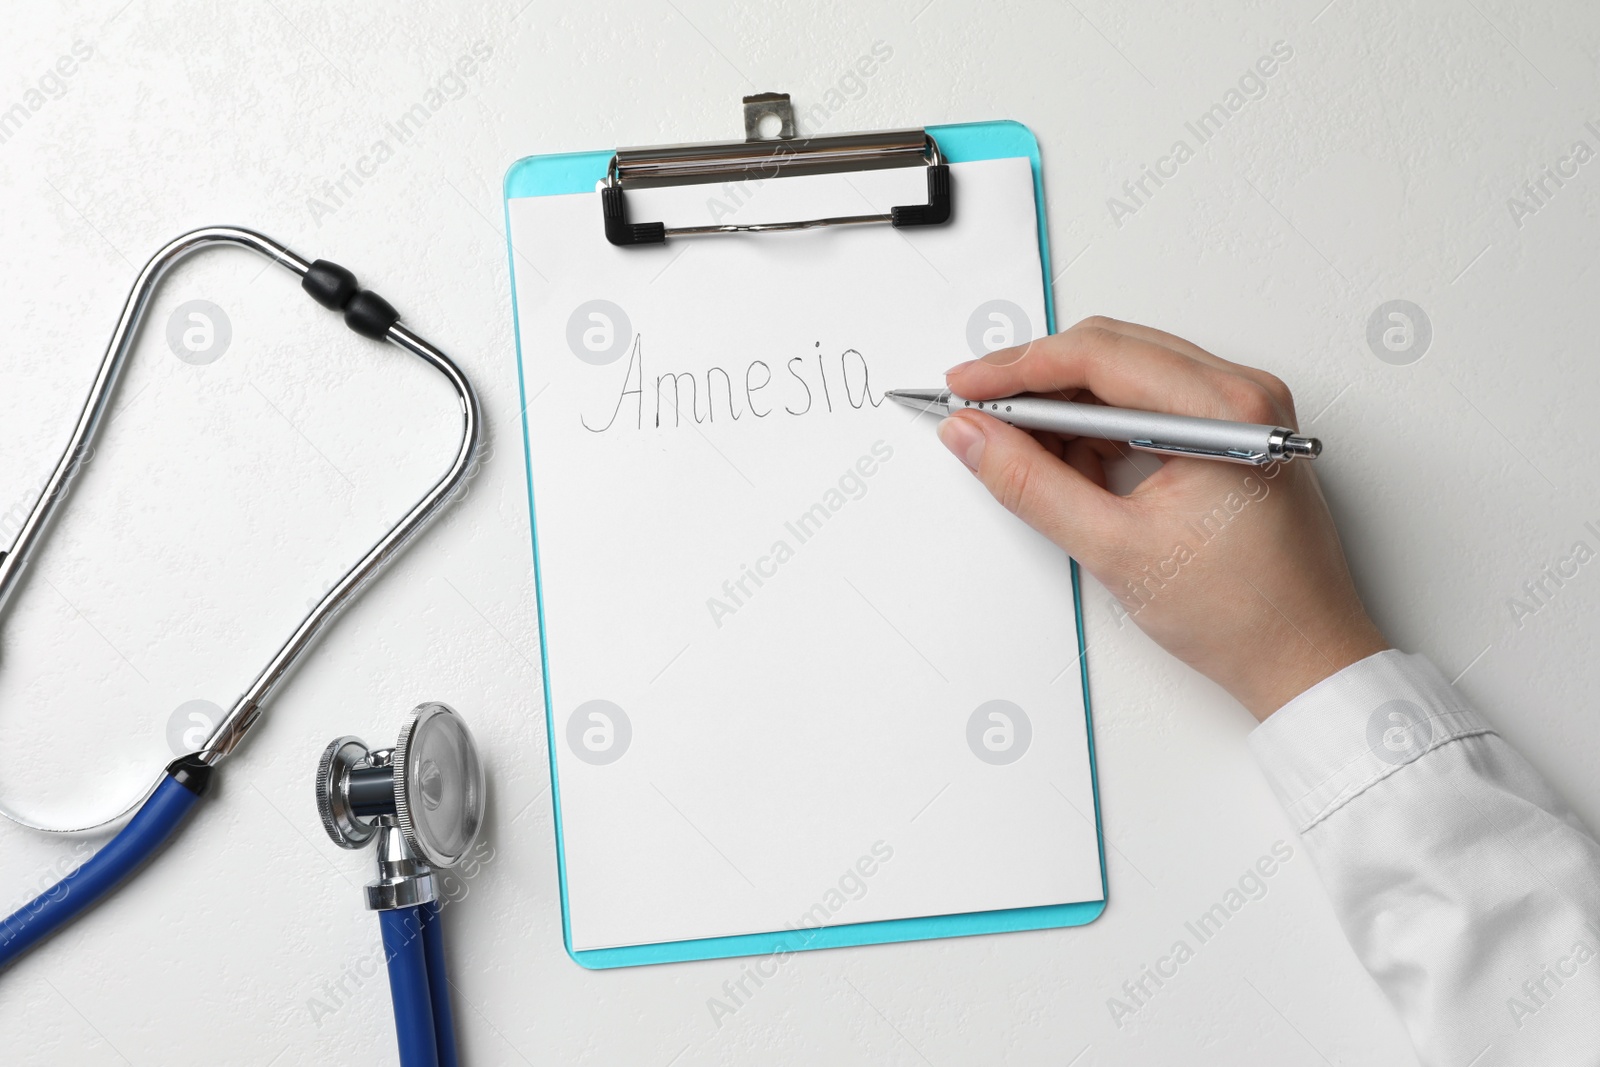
578 172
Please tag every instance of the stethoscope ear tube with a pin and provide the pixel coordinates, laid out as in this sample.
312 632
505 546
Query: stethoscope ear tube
149 829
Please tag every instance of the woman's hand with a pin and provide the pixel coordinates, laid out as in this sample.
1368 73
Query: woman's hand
1236 570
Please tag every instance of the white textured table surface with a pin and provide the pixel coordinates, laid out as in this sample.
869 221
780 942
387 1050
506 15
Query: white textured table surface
1384 159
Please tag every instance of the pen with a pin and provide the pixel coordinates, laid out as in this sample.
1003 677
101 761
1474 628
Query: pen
1149 431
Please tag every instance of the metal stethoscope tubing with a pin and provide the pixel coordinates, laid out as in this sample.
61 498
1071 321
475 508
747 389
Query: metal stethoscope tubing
162 808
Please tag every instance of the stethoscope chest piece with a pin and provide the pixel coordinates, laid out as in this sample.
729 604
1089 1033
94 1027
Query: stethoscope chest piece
423 802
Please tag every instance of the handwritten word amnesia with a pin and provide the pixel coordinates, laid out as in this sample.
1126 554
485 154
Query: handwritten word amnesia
814 383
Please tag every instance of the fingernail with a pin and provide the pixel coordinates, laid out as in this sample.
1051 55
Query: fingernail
959 366
964 439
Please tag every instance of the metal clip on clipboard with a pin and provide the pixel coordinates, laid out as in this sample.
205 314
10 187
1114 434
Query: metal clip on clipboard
770 157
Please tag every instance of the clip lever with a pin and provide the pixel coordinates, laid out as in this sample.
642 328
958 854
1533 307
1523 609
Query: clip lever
761 157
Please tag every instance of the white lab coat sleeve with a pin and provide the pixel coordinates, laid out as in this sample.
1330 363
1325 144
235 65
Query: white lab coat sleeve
1467 888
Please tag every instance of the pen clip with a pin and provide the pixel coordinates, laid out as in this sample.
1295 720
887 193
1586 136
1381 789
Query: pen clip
1231 455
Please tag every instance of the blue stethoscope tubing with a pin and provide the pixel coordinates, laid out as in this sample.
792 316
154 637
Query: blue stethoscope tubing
155 821
413 942
413 938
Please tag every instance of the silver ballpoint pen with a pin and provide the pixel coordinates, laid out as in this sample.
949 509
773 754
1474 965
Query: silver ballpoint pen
1149 431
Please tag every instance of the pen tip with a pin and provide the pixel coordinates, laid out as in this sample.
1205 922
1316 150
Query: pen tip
920 398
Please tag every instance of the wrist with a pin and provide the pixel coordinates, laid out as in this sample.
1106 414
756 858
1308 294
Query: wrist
1308 662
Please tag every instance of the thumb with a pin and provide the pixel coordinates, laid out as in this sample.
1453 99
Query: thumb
1040 489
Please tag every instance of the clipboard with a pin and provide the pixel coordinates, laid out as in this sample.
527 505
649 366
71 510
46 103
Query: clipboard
611 174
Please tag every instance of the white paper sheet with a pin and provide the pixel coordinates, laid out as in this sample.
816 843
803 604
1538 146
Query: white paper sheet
797 598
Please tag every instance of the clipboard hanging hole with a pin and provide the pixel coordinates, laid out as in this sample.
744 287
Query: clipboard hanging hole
769 117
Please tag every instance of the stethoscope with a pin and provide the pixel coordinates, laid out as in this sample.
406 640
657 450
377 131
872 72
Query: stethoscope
158 813
423 802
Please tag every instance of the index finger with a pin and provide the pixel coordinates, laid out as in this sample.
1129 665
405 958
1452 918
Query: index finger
1122 370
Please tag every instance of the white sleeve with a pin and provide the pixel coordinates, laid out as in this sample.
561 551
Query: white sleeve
1468 889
